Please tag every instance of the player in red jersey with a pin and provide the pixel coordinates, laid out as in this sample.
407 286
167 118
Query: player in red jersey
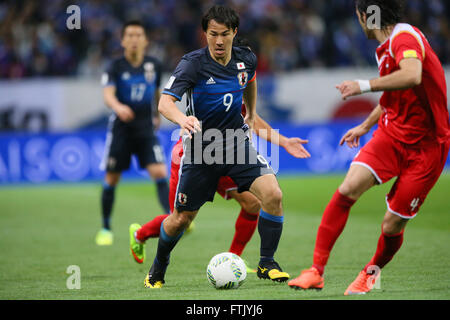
247 219
411 142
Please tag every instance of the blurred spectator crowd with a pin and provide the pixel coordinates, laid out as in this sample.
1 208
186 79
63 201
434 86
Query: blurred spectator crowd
285 34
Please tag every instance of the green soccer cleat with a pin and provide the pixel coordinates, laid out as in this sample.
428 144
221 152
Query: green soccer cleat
272 270
137 249
104 237
190 228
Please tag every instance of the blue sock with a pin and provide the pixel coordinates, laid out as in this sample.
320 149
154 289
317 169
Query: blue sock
108 193
269 228
166 244
163 193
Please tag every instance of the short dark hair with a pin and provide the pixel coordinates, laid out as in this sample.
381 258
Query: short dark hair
223 15
391 10
133 23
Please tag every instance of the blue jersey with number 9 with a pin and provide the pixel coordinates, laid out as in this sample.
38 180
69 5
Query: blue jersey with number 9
214 92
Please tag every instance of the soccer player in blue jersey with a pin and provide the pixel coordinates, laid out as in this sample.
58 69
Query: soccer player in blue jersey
217 79
131 86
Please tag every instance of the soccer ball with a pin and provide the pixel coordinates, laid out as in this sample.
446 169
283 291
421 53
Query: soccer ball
226 270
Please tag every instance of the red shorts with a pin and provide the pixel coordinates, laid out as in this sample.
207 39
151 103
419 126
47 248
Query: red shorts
225 184
417 169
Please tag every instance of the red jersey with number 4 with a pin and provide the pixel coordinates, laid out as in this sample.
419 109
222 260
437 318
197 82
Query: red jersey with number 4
418 115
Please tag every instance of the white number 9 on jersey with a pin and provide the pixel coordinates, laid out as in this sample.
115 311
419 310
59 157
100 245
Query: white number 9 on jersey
227 101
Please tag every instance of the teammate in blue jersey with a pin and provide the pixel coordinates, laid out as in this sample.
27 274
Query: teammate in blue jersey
131 87
217 79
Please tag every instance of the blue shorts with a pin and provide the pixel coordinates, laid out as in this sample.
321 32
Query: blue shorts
198 182
123 141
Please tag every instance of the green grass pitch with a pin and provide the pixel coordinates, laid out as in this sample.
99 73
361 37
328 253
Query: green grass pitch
45 229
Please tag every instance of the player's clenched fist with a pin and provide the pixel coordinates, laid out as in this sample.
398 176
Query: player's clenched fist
124 113
190 124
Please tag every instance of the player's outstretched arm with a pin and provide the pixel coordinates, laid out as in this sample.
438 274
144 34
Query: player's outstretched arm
409 76
294 146
169 110
124 112
352 136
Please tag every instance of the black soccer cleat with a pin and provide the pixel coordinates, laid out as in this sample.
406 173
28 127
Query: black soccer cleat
271 270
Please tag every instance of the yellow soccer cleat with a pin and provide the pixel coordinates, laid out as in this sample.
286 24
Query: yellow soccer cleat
271 270
104 237
152 284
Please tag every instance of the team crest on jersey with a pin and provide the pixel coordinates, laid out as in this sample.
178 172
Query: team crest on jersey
126 76
149 71
182 198
111 163
243 78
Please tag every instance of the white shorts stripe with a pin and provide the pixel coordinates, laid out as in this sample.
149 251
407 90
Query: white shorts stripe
228 190
368 167
109 138
396 213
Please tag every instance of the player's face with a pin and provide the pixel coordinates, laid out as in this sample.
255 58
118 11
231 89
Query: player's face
134 39
220 40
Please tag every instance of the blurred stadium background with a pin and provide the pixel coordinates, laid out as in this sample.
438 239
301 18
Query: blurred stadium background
53 119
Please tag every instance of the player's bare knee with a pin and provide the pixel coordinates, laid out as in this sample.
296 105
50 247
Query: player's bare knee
350 189
112 178
250 205
184 220
393 225
253 207
272 201
248 202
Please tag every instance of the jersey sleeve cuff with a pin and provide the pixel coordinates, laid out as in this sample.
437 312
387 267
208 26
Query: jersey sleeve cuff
253 78
171 94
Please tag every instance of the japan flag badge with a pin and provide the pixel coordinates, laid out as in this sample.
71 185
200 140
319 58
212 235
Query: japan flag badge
240 66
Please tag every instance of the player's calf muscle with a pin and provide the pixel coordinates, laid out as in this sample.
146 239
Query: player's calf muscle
247 201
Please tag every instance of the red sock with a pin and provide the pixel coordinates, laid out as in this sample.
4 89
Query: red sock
246 224
333 222
387 247
151 229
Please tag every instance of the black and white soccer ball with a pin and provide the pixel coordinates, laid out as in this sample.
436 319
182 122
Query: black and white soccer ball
226 270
